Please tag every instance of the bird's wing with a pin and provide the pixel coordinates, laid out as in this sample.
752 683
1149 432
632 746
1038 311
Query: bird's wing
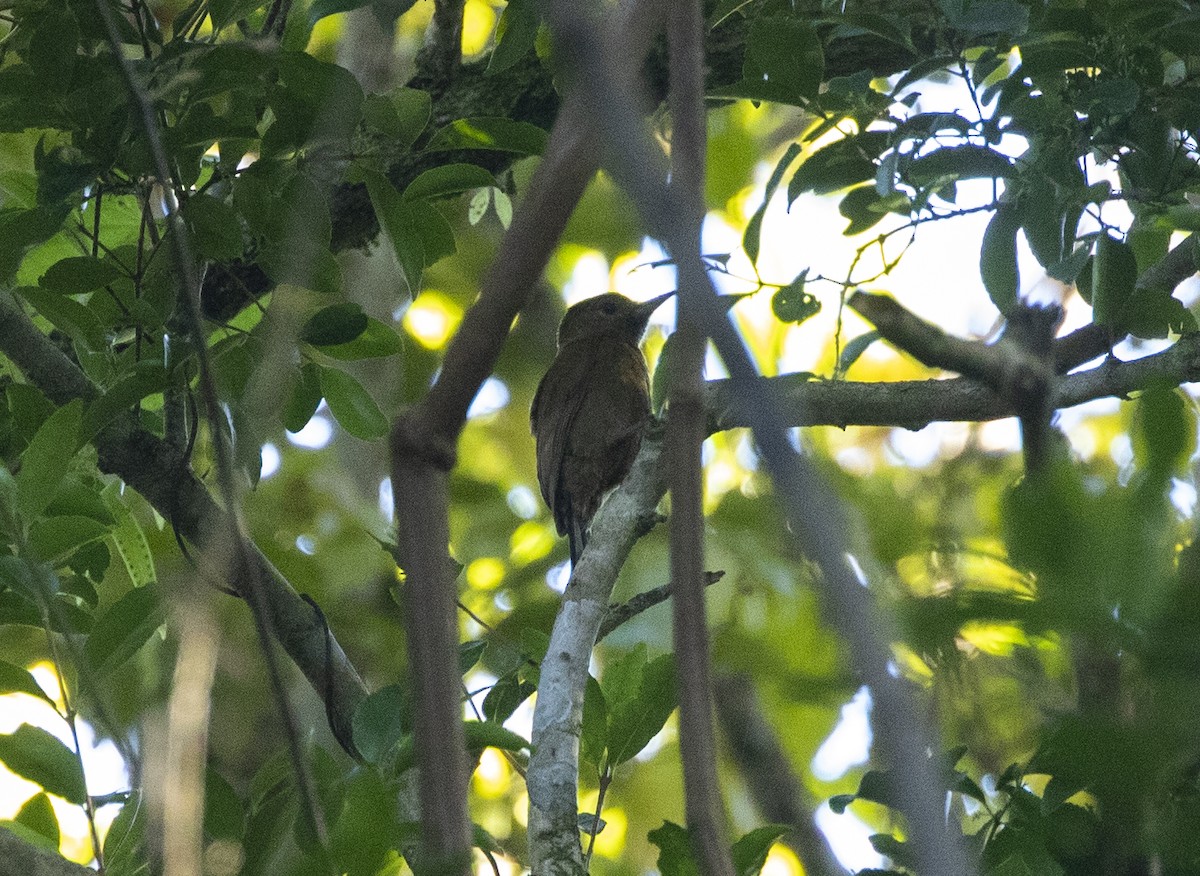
559 398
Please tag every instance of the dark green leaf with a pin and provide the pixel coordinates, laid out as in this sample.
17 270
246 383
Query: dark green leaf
500 134
21 229
753 233
351 405
864 208
124 628
335 324
398 221
129 539
750 852
224 816
400 115
470 653
855 348
305 398
506 695
215 227
378 340
45 460
124 844
998 259
34 754
633 723
1006 17
38 815
379 722
955 163
435 233
515 35
1166 429
77 274
674 850
366 829
481 734
53 539
148 377
593 734
14 679
783 58
839 165
75 320
792 303
1114 274
226 12
448 179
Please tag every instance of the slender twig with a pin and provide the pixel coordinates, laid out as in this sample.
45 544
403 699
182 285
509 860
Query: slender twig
624 612
605 781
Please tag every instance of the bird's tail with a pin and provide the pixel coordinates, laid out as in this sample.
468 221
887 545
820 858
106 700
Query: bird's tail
576 538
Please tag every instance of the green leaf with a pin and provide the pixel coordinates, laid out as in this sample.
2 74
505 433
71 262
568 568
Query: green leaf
515 35
398 221
215 227
957 162
335 324
448 179
593 733
124 628
839 165
400 115
36 755
76 320
1152 313
352 406
482 734
492 133
305 398
998 259
147 377
226 12
76 274
865 208
1114 275
323 8
380 722
855 348
129 539
366 829
377 340
224 815
506 695
792 303
53 539
45 460
784 58
674 850
124 844
22 229
470 653
14 679
751 237
750 852
38 815
634 722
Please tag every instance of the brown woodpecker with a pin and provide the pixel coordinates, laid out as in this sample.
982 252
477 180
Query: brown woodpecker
591 409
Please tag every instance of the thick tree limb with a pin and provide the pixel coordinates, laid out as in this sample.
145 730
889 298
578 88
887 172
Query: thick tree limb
706 819
914 404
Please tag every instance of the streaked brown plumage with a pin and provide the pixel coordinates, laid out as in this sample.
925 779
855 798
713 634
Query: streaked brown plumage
591 409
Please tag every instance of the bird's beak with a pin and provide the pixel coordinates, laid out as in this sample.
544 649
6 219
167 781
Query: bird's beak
646 309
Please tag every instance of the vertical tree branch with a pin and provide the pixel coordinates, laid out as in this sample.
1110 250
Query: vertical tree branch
685 434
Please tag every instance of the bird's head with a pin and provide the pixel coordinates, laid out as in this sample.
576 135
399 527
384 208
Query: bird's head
607 315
